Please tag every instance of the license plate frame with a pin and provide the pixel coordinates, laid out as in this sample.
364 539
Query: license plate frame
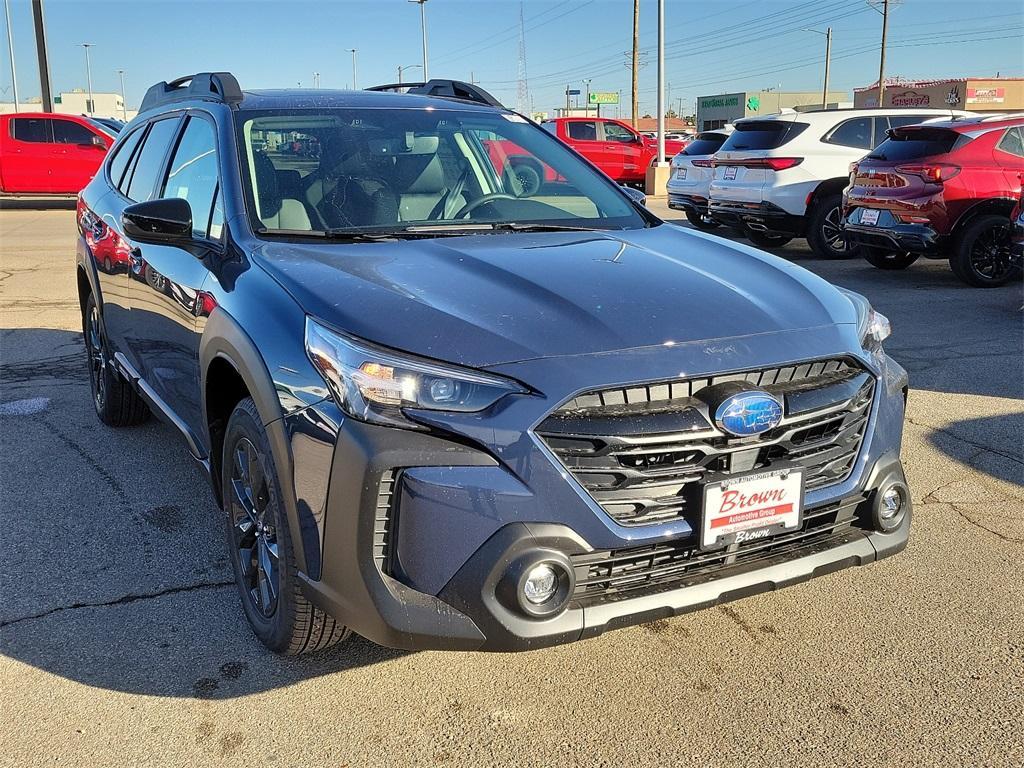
869 216
681 174
755 521
730 173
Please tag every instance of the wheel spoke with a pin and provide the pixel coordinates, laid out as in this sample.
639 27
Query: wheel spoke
246 561
268 569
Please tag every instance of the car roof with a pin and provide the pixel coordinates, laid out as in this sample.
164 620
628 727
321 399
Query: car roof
977 122
830 116
48 115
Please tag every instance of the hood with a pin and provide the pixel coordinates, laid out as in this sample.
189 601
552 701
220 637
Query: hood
481 300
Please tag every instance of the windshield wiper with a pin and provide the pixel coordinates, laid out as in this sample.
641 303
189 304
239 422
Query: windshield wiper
357 234
515 226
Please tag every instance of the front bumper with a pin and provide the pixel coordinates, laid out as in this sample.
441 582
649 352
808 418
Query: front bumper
419 532
763 216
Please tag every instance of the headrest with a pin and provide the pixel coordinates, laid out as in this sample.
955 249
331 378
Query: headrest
419 174
269 197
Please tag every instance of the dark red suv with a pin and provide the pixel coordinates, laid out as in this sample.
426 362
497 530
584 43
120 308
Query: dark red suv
940 190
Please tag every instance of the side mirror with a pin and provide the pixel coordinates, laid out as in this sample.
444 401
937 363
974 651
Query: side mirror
635 195
166 220
98 142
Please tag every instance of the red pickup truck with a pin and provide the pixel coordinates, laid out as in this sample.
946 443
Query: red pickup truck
611 145
47 154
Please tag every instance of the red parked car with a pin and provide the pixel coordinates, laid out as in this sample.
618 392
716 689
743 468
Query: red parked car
49 154
940 190
611 145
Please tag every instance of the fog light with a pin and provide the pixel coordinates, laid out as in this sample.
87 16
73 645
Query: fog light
892 503
540 584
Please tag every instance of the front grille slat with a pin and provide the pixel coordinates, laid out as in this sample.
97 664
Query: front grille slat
629 446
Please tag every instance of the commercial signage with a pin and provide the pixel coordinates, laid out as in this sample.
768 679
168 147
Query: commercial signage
910 98
986 95
720 101
604 97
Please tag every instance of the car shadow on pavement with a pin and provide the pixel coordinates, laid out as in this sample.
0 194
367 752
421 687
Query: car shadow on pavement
115 564
990 444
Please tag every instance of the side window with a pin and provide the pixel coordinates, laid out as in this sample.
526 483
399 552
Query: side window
192 174
70 132
615 132
582 130
852 133
1012 142
123 155
35 130
150 160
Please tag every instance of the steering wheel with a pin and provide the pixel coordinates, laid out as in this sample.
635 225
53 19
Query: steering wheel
482 200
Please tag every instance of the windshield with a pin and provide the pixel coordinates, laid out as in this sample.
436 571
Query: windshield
328 171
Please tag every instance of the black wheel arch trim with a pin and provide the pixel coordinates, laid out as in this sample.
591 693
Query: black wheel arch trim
223 338
998 206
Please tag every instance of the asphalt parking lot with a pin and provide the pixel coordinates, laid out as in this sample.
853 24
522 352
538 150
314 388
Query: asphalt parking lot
122 642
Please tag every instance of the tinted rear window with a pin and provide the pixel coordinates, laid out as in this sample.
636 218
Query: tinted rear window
763 134
705 144
914 144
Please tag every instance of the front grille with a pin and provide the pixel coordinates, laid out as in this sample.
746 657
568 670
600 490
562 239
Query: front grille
642 452
383 521
625 573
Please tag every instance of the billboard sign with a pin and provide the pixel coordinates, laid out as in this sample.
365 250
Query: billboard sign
604 97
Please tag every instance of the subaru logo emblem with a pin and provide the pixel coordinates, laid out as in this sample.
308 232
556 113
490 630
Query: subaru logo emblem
748 413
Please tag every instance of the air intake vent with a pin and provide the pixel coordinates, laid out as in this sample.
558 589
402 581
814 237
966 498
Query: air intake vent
384 521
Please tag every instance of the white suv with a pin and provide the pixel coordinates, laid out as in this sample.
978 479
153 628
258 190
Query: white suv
691 177
781 176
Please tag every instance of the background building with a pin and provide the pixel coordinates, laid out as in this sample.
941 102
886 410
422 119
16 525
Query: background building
76 103
994 94
716 111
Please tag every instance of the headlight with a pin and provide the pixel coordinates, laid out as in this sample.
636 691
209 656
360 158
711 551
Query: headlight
374 384
872 327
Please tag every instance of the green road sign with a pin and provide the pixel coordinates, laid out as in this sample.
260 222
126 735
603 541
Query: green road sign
604 97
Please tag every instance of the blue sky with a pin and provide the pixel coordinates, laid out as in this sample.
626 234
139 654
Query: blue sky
713 46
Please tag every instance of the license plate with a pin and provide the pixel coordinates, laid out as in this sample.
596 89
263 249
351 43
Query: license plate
680 173
730 172
868 216
750 507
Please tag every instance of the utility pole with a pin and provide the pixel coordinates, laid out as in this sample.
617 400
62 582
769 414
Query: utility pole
44 65
881 58
423 31
10 47
567 99
586 104
636 62
90 106
124 104
828 58
661 82
354 80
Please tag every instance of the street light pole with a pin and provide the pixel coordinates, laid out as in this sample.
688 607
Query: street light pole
124 104
828 58
90 107
10 47
881 58
402 69
423 31
661 82
353 52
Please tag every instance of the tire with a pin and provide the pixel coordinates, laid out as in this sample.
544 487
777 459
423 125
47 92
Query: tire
825 231
981 253
529 178
882 259
116 403
766 239
701 222
260 545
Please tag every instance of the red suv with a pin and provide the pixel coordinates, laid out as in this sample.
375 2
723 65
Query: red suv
48 154
940 189
611 145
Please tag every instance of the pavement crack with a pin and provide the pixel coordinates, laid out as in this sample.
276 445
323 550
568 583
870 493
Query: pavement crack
125 600
962 439
966 516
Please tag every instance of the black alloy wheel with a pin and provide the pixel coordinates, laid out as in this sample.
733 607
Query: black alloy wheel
116 402
981 255
96 352
254 528
825 232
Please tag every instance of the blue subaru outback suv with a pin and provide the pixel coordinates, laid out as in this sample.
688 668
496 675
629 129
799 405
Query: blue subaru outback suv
454 388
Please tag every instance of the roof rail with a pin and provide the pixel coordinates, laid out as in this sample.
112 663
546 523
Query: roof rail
212 86
445 89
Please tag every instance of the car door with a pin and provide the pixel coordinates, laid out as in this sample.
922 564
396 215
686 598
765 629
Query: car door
582 135
77 151
165 296
624 151
1009 154
27 158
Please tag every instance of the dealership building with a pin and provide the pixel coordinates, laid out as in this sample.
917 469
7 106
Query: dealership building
994 94
715 111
